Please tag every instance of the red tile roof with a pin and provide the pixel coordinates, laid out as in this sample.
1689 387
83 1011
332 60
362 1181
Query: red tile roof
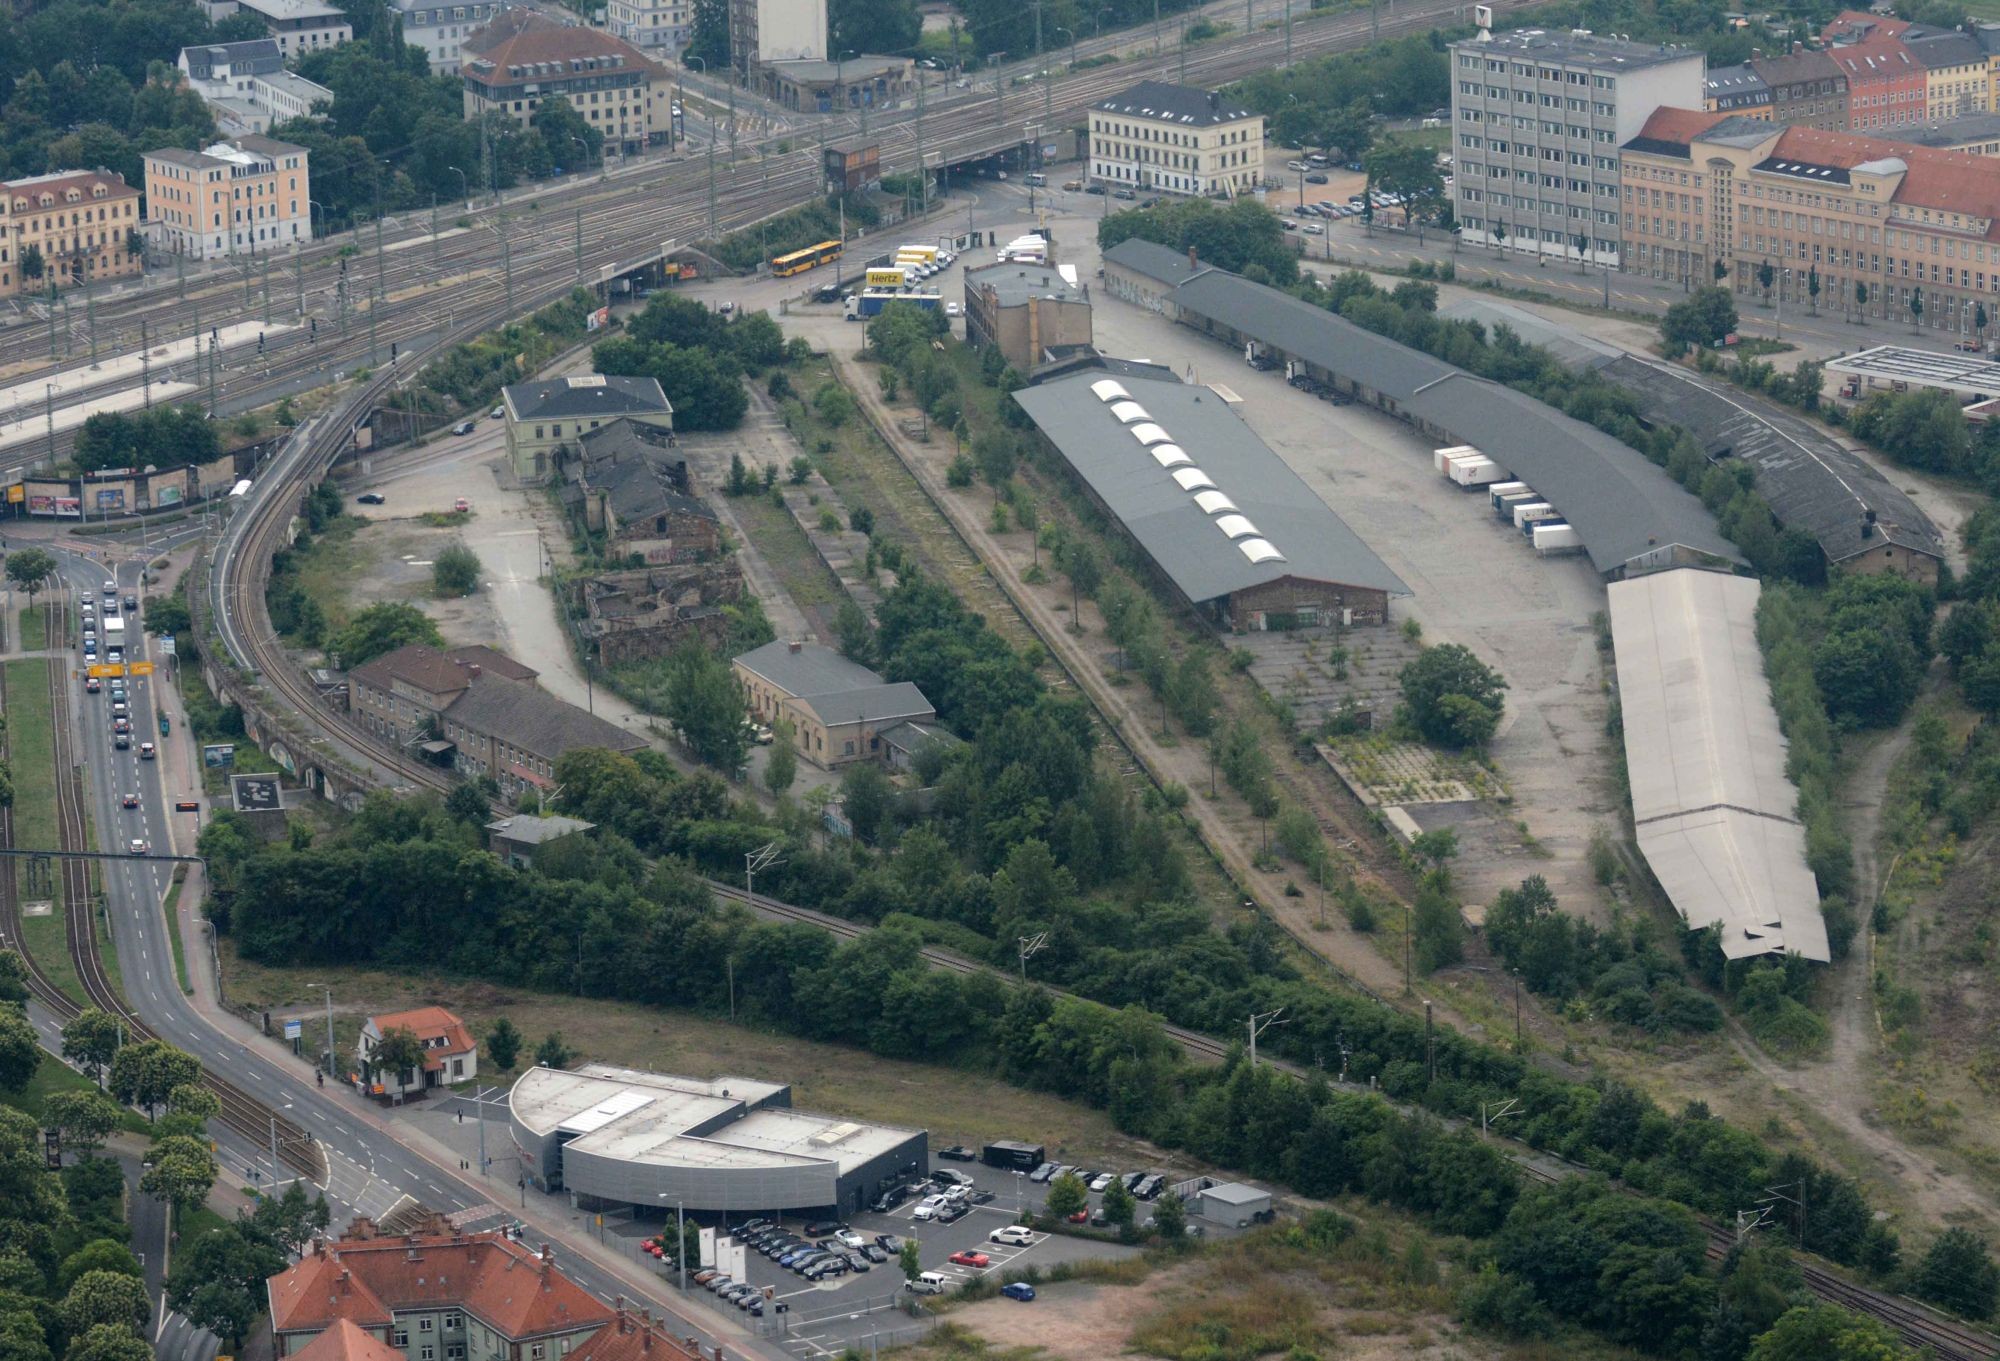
1853 20
536 39
1679 125
1943 181
1879 57
635 1337
429 1023
345 1341
498 1281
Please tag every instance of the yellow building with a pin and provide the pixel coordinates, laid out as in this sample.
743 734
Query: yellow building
1175 139
243 197
1957 74
839 710
77 223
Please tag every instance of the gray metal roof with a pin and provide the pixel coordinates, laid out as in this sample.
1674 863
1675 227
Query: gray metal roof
1183 105
1948 132
1576 47
530 718
1626 510
1236 1193
1811 481
871 704
806 668
250 57
528 829
1313 334
1194 546
586 394
1155 261
1714 814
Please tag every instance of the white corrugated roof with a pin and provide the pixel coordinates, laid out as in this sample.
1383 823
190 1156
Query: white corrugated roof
1716 818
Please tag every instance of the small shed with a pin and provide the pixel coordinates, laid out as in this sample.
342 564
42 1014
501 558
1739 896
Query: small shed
1234 1205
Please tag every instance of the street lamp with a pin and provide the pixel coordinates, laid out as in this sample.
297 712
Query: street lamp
1072 44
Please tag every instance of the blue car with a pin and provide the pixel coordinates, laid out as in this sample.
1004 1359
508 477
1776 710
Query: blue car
1018 1290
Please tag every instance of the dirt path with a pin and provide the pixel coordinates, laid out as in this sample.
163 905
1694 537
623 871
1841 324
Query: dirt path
1187 764
1838 1086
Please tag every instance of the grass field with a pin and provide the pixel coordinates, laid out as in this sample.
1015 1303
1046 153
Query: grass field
30 731
789 552
56 1076
174 933
34 629
955 1106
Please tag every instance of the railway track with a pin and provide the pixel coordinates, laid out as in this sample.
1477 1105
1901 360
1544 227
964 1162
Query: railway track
80 914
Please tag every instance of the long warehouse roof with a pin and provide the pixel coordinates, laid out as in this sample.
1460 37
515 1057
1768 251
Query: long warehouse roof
1210 502
1715 816
1629 513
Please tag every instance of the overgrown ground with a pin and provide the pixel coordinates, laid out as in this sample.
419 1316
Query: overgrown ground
31 746
956 1107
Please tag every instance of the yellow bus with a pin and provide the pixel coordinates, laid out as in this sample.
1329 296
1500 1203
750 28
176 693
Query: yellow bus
799 261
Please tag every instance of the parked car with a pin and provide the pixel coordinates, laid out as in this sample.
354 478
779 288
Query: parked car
497 412
1016 1234
890 1199
856 1261
1018 1290
952 309
820 1228
958 1153
1150 1186
1124 194
718 1284
950 1176
462 428
1314 229
874 1253
967 1257
1043 1173
704 1276
850 1238
1315 179
889 1242
927 1209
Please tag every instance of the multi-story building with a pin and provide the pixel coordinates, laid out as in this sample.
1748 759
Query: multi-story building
1978 133
1176 139
1886 85
1806 89
1538 118
1955 71
523 58
1736 89
78 223
656 27
765 31
297 26
223 70
1854 25
1025 310
238 197
441 27
1874 223
547 420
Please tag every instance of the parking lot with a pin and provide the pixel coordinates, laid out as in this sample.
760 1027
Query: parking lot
824 1317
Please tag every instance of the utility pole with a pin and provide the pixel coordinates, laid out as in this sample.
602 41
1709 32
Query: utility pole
1031 946
299 278
378 258
1430 1043
1492 1112
434 218
90 316
579 245
267 290
754 863
711 179
145 366
1261 1023
330 1060
507 264
1288 33
923 175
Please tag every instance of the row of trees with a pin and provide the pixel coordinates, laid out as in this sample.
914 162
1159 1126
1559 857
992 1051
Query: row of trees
161 437
699 357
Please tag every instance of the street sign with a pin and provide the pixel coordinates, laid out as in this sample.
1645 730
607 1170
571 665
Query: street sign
167 645
294 1029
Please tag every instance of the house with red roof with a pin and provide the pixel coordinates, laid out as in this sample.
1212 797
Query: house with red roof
450 1053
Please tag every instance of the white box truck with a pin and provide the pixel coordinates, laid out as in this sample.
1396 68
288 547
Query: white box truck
1528 512
1500 489
1556 538
1475 472
1441 458
1503 506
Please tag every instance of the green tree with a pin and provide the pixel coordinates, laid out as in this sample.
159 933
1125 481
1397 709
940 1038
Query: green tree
28 568
382 628
146 1072
32 265
833 404
706 706
99 1254
553 1052
1120 1207
109 1342
852 631
13 969
469 804
708 39
1437 930
1411 170
1454 698
503 1044
20 1051
167 614
398 1057
104 1297
876 26
866 796
292 1220
781 766
455 571
1812 288
1826 1332
83 1119
1702 319
180 1170
1766 276
910 1258
1067 1195
1084 566
1959 1274
217 1281
1860 293
1170 1218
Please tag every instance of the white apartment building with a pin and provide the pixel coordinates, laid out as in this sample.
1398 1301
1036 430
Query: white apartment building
655 27
441 27
297 26
1176 139
247 87
1537 121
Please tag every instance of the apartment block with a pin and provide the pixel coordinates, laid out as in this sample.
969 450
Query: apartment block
1736 89
658 28
441 27
77 222
1874 223
240 197
1955 71
297 26
1887 87
523 58
766 31
1176 139
1806 88
1538 118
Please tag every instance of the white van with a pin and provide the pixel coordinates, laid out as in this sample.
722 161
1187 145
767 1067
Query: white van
929 1283
1038 180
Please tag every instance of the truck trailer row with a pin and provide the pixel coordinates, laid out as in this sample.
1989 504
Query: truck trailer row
1513 502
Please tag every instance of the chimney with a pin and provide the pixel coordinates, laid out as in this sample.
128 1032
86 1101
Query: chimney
795 644
474 668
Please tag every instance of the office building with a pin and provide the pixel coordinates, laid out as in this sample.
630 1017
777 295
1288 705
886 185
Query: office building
247 87
241 197
1886 86
297 26
1538 118
441 28
523 58
1176 139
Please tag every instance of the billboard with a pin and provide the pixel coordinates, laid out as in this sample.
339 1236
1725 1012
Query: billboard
168 493
219 755
707 1247
110 498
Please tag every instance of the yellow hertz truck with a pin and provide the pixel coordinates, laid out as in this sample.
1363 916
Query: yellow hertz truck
892 277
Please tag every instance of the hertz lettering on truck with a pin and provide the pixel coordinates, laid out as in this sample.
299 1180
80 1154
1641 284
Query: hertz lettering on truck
885 278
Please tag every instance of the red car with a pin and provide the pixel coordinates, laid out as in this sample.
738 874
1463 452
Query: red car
969 1258
1080 1217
